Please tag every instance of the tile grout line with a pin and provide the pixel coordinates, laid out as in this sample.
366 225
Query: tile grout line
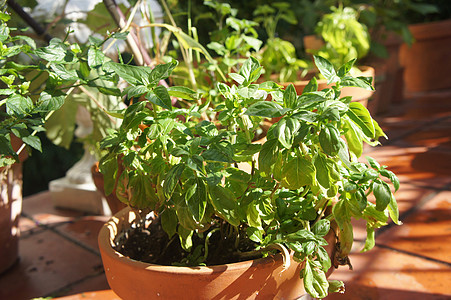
415 129
64 288
68 238
414 254
415 208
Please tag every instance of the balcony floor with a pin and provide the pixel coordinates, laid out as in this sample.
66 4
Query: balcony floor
59 255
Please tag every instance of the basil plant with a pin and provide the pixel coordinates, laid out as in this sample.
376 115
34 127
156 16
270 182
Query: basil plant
169 157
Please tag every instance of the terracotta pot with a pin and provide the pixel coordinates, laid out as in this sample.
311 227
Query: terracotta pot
427 62
388 78
114 203
256 279
358 94
10 209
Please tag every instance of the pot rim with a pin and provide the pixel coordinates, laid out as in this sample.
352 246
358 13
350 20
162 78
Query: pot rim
109 231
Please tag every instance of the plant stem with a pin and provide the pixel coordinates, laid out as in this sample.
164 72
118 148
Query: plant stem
29 20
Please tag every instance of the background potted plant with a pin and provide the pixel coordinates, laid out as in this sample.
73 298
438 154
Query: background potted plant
344 38
181 174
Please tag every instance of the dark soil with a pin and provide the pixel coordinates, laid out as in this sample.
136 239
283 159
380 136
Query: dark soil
152 245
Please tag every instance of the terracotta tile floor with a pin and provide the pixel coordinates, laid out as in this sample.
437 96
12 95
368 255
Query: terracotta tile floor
60 258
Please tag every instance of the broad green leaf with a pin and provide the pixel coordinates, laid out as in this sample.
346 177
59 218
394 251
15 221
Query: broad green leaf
290 97
48 102
315 281
196 198
312 86
344 69
161 72
224 202
185 236
109 168
160 97
326 69
323 166
329 139
18 105
169 221
369 242
134 75
142 193
268 156
321 227
182 92
254 234
354 139
250 70
63 73
297 173
53 53
171 179
393 210
33 141
237 77
360 115
336 286
267 109
382 192
285 130
361 82
95 58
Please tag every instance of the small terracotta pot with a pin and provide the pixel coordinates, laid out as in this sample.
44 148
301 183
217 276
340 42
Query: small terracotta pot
358 94
427 61
256 279
10 208
114 203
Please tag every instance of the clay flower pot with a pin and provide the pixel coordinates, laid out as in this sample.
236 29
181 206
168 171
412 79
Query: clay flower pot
357 94
10 209
427 62
256 279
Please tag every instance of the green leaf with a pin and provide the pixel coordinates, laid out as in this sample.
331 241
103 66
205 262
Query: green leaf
321 227
354 139
185 236
53 53
33 141
297 173
250 70
268 156
254 234
48 102
161 72
382 192
315 281
326 69
96 58
290 97
370 235
361 82
361 116
393 210
312 86
329 139
285 130
224 202
169 221
18 105
63 73
336 286
344 69
109 168
171 179
267 109
134 75
160 97
196 198
182 92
